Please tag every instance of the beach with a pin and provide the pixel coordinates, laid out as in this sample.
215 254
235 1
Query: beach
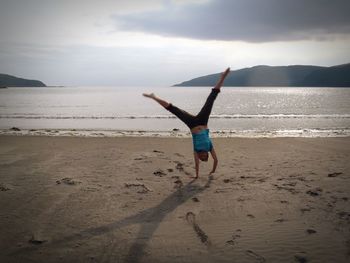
131 199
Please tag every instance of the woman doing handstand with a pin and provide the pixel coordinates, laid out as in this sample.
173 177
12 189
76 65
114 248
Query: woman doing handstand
198 124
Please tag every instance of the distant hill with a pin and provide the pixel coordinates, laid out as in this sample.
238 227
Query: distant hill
12 81
280 76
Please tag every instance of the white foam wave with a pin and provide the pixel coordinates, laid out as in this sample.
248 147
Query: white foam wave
223 116
306 133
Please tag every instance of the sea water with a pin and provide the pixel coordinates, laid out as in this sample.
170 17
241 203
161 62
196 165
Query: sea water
238 111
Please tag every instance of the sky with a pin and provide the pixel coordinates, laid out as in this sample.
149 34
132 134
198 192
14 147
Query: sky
164 42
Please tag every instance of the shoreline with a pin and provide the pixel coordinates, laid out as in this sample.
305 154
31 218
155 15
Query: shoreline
297 133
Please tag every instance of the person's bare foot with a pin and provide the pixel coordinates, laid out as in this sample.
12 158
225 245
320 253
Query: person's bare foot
149 95
222 78
225 73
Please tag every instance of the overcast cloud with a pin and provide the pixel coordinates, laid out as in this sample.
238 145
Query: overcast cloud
162 42
245 20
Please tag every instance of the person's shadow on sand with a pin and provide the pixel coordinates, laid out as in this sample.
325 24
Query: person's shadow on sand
149 219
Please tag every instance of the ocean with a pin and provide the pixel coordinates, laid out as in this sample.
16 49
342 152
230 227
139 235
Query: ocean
114 111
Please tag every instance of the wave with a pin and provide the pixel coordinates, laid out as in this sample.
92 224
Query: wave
223 116
307 133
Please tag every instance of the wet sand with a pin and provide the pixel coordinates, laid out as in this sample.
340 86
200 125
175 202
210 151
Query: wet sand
70 199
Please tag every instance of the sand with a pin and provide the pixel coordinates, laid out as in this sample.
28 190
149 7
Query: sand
70 199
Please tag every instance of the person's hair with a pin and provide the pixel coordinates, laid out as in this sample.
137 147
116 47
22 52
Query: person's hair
203 156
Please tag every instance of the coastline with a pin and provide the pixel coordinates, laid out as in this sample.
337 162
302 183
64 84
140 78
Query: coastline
131 199
295 133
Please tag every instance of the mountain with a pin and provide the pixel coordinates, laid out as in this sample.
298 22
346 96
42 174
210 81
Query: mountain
12 81
336 76
280 76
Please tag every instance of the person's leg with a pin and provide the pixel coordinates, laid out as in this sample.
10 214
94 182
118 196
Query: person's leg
184 116
164 103
203 115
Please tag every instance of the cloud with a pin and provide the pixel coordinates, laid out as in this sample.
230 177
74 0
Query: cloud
91 65
245 20
78 43
64 22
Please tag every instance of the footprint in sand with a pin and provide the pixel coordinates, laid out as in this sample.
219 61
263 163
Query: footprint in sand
230 242
334 174
315 192
311 231
306 209
140 188
67 181
234 237
159 173
280 220
36 240
344 215
4 188
250 216
179 166
178 183
195 199
300 258
254 255
191 219
283 187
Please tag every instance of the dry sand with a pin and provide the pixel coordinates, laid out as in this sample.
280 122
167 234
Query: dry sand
131 200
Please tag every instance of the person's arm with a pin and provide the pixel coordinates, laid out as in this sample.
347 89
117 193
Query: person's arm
196 161
222 78
215 164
